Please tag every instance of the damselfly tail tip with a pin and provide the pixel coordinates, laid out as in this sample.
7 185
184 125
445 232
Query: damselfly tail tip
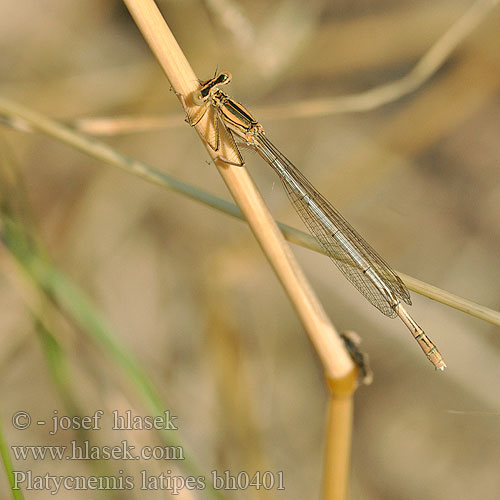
441 366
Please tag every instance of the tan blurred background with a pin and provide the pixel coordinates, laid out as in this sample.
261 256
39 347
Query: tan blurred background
188 290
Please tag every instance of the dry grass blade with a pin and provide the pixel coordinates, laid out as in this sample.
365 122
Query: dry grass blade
29 120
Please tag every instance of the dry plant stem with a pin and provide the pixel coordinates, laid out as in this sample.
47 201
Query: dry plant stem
327 343
338 438
337 363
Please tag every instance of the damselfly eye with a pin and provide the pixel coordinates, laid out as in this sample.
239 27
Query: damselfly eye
226 77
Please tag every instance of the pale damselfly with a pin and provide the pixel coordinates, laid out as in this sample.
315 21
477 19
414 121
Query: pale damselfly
357 260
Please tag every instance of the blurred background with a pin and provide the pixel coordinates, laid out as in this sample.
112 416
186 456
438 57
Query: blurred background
187 290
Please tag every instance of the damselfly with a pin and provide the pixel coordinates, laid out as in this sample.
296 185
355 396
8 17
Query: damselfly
357 260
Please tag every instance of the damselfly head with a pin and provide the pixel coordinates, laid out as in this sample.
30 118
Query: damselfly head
209 87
